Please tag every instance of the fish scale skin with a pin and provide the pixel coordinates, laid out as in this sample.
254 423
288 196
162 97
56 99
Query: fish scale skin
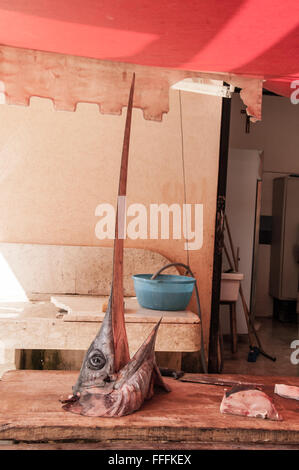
133 393
119 402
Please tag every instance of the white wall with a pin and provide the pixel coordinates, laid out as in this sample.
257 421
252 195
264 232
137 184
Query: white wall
243 172
277 135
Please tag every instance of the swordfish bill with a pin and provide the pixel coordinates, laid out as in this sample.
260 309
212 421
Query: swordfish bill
121 348
110 384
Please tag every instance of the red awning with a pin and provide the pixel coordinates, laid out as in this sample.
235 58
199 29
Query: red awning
84 50
248 37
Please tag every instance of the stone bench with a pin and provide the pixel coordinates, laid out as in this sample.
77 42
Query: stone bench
40 325
42 270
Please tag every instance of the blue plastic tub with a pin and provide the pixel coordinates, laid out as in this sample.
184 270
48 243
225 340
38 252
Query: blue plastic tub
165 292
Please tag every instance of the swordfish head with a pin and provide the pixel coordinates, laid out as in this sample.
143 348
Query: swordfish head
99 391
98 365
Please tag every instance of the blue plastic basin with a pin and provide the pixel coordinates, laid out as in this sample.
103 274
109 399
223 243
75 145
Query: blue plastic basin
165 292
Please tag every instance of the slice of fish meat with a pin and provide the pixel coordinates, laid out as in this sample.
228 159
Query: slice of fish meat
287 391
248 401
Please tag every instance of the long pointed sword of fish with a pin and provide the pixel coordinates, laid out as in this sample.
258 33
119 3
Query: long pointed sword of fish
109 383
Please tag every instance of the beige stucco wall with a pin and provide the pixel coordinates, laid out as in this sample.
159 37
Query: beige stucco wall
56 167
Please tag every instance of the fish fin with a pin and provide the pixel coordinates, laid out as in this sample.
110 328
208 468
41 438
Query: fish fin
150 392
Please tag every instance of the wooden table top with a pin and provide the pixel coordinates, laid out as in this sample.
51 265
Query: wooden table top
30 411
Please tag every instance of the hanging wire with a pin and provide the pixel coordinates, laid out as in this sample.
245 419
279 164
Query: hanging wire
184 176
188 269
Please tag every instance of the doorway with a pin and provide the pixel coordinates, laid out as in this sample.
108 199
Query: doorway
254 226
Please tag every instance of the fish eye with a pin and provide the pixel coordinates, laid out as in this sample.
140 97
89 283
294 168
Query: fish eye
96 361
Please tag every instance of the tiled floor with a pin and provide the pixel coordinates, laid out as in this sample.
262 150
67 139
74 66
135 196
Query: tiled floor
276 338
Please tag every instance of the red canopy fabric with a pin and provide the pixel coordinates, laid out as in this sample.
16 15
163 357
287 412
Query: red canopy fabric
249 37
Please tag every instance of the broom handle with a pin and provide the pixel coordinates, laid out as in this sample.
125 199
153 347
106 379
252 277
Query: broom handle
248 319
231 243
251 339
250 327
228 258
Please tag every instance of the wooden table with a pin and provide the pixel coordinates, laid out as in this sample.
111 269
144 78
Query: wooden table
36 326
187 417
